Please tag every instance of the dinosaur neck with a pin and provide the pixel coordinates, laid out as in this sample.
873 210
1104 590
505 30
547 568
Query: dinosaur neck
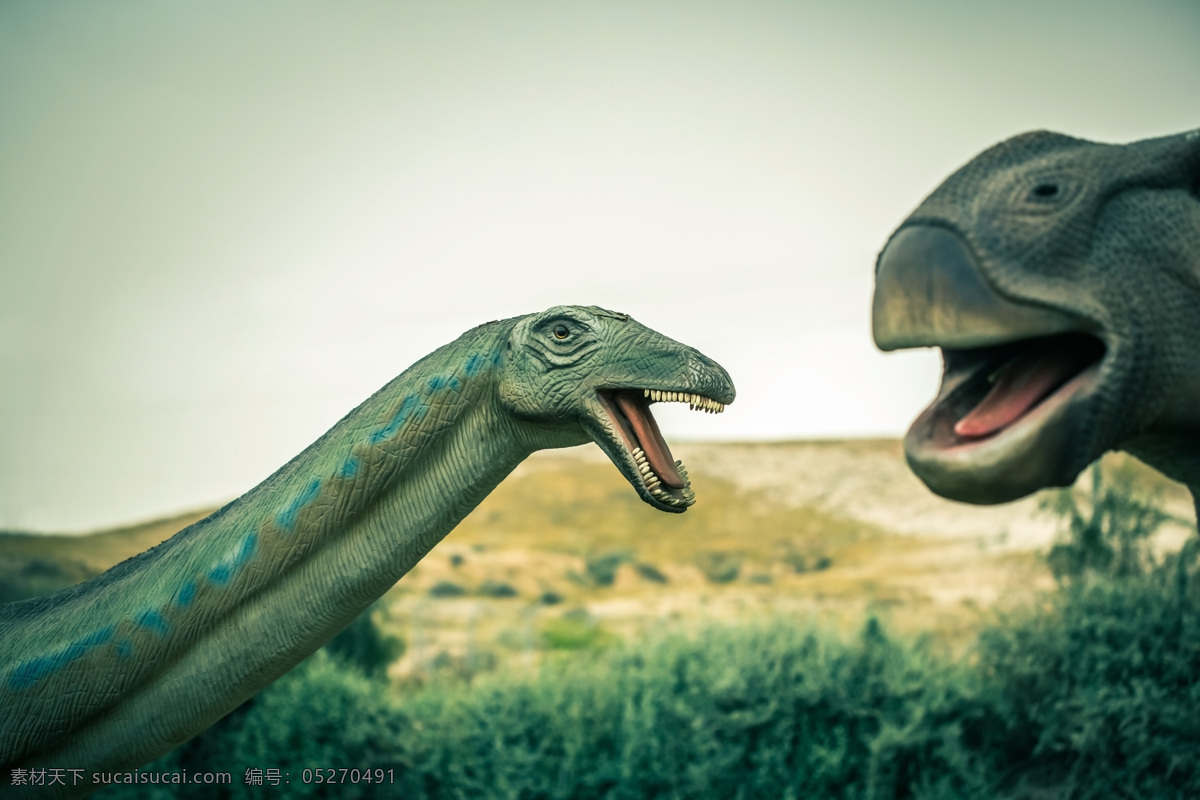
172 640
1175 455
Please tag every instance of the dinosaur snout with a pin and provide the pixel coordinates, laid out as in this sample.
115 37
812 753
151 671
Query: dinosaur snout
711 378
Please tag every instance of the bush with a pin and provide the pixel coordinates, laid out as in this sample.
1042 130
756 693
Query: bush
497 590
602 569
719 567
447 589
574 630
362 645
1093 695
1101 688
1108 533
650 572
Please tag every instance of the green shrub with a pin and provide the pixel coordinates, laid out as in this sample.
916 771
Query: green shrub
447 589
1101 687
1093 695
650 572
719 567
497 589
363 645
801 563
1107 534
771 711
602 568
574 630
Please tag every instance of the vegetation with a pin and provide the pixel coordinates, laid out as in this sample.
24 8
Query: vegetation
497 590
363 645
602 568
447 589
1092 692
1100 689
1108 532
719 567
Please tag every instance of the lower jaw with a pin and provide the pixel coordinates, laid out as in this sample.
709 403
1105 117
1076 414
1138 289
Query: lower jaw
1036 451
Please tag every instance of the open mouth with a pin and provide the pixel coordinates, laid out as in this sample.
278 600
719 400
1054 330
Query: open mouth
988 391
663 481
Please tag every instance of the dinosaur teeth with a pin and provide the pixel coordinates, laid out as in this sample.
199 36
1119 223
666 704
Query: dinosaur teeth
696 402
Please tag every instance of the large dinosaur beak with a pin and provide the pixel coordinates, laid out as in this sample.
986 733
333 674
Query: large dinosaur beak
1015 374
930 292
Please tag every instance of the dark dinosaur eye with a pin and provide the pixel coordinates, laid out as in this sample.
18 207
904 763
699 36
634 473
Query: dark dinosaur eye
561 332
1045 190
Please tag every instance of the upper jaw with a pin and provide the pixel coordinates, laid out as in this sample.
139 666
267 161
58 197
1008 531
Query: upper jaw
930 292
1013 412
627 431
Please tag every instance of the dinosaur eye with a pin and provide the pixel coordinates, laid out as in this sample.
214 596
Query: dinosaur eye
1045 190
561 332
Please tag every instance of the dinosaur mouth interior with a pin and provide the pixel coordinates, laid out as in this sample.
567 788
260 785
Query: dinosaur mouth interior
662 476
989 390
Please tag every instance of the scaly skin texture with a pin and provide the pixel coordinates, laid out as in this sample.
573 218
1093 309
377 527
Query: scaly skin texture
1061 278
114 672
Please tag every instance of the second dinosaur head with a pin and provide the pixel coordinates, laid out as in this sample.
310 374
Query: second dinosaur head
1061 280
581 372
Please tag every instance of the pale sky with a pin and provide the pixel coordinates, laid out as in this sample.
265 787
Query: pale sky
225 224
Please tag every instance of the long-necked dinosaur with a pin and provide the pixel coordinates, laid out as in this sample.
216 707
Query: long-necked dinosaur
114 672
1061 279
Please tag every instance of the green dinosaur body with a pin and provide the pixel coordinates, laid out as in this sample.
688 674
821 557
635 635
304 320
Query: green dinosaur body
116 671
1061 279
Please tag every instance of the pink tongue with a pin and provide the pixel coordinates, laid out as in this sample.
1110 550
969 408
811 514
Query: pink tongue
653 444
1026 380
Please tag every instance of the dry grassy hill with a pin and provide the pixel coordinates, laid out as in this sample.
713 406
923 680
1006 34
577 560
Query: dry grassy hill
563 555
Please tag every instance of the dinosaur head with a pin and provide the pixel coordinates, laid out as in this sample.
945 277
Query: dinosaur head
583 372
1061 280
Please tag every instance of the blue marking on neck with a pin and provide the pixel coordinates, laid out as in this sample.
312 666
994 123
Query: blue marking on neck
439 382
412 406
286 519
150 618
30 672
125 648
475 365
348 469
497 357
220 574
186 594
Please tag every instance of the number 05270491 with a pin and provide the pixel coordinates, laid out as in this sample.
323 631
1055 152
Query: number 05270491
348 775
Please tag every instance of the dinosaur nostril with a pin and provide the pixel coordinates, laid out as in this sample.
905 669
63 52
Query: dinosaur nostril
1045 189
